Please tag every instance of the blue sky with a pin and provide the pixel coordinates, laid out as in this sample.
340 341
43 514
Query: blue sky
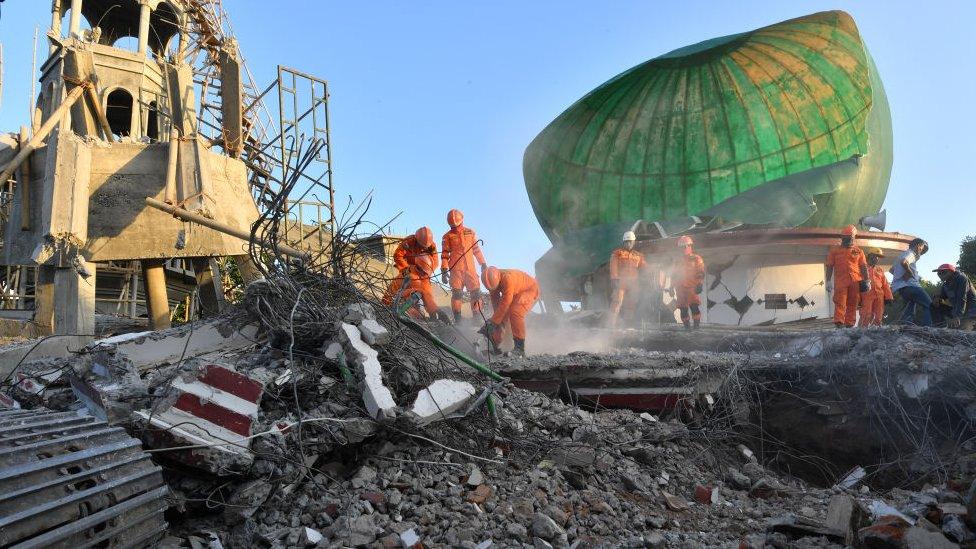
433 103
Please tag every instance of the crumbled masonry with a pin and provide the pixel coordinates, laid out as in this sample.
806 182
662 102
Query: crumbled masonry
326 466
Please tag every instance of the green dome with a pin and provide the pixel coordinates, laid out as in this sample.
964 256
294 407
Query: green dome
787 125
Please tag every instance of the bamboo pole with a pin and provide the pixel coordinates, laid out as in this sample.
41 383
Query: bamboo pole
185 215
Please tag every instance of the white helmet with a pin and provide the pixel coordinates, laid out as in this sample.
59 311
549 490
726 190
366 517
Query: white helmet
630 236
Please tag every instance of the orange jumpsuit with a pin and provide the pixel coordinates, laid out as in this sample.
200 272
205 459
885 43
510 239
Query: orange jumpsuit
408 249
873 301
459 249
689 274
847 264
417 283
624 267
512 299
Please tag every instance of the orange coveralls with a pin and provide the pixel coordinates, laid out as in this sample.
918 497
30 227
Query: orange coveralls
689 273
417 283
408 249
873 301
624 267
847 263
511 300
459 249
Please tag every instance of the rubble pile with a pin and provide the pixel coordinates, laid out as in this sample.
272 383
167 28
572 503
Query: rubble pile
363 432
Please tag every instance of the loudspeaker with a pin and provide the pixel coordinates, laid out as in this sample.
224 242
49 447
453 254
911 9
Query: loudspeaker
876 221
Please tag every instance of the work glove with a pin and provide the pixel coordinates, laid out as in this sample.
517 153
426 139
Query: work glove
483 267
404 271
954 323
889 301
698 289
830 286
443 276
489 328
864 286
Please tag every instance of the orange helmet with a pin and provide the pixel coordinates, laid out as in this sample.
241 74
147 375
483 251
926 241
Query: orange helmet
454 218
850 231
425 237
685 241
424 264
491 277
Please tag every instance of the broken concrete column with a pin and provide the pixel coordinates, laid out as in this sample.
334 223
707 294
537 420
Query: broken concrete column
376 396
441 399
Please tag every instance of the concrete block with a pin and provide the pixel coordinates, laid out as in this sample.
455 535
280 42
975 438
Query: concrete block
357 350
333 351
378 400
373 332
358 312
376 396
215 411
441 399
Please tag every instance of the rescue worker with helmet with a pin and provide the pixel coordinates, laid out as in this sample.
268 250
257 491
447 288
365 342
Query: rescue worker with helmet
625 266
687 279
459 250
513 293
419 243
955 303
847 277
416 279
874 300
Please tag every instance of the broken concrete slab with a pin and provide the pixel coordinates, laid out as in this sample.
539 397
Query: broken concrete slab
373 332
376 396
441 399
206 419
148 350
358 312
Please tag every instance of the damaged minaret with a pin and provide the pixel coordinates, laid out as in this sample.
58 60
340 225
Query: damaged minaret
114 126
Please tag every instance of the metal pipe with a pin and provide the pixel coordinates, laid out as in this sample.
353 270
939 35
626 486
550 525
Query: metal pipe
185 215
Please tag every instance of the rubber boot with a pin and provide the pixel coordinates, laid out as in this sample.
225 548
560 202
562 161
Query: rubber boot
519 347
687 324
457 317
697 323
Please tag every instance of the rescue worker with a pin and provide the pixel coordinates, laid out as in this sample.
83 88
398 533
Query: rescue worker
874 300
847 277
416 279
513 293
419 243
955 303
625 266
459 249
687 278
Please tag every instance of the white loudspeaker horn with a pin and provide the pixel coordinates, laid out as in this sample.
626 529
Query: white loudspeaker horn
876 221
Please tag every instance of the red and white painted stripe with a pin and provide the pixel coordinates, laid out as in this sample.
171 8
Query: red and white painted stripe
216 410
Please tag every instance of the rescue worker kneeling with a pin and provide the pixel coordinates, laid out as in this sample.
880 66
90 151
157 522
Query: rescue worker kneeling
413 246
513 293
625 266
416 281
878 295
688 278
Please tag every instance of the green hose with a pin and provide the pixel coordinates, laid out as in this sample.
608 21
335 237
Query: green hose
494 376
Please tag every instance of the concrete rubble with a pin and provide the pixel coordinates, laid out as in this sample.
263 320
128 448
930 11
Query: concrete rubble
352 438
